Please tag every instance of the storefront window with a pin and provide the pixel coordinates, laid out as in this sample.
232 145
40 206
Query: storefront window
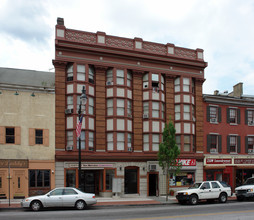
39 178
182 179
109 179
70 178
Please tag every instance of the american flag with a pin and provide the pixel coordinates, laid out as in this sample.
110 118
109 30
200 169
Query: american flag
79 125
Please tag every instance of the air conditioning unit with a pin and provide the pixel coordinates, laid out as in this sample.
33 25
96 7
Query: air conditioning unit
250 123
250 151
69 148
68 111
213 150
130 149
213 120
145 115
109 83
152 167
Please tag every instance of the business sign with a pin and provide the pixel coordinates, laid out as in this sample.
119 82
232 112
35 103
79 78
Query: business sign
218 161
187 162
244 161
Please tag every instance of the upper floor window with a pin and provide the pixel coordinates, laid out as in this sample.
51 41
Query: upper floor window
187 143
156 142
162 83
145 81
129 78
69 141
91 74
69 102
177 112
120 77
177 85
249 117
146 142
155 110
233 144
249 144
193 86
155 81
120 141
213 114
213 143
186 85
120 107
38 136
146 108
9 135
129 108
109 77
110 141
70 73
91 106
162 110
186 113
233 115
91 141
129 142
81 72
82 139
178 141
110 107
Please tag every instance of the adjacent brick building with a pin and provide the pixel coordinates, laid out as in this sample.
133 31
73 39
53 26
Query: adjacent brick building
134 87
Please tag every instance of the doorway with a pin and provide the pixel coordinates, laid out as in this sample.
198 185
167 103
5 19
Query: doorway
131 180
153 184
90 181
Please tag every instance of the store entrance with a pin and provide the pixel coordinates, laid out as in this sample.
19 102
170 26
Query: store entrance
153 184
90 181
131 180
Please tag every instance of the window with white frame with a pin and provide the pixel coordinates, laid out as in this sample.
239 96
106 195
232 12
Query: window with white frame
146 142
91 106
120 77
120 107
69 141
155 82
145 81
186 112
162 83
213 114
250 142
155 110
213 143
129 142
250 117
110 141
129 78
78 102
83 140
193 86
145 108
178 141
193 113
187 143
233 115
109 76
186 84
70 73
129 108
69 102
177 112
91 74
162 110
91 141
155 142
81 72
120 141
109 107
177 85
233 144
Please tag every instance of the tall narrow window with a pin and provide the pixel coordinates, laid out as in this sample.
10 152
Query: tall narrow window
186 84
177 112
110 142
213 114
10 135
83 140
91 106
38 136
250 117
155 110
70 73
129 108
232 115
146 108
250 142
214 143
129 142
156 142
162 83
81 72
187 143
233 144
145 81
110 107
91 141
120 141
120 77
69 138
109 77
162 110
186 114
70 102
177 84
91 74
120 107
129 78
146 142
178 141
155 82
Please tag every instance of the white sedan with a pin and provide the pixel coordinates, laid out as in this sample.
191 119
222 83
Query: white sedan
60 197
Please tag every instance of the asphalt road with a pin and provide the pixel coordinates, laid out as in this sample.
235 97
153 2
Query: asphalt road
231 210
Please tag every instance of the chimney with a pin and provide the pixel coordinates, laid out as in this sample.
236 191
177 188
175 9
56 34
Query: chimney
216 92
60 21
238 90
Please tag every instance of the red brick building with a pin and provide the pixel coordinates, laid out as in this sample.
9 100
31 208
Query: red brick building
229 136
134 87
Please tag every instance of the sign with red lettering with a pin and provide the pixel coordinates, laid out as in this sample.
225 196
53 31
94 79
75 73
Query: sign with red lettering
218 161
244 161
187 162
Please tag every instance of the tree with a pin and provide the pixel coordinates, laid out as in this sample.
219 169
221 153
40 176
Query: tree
168 153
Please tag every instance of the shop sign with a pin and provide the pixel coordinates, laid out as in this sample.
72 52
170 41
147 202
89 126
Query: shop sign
14 163
90 165
244 161
218 161
187 162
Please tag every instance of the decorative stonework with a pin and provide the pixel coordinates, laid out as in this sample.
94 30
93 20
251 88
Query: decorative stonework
119 42
81 37
154 48
186 53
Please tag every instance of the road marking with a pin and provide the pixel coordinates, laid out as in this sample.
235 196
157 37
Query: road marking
194 215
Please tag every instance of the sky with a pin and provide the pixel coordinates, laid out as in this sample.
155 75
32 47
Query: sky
224 29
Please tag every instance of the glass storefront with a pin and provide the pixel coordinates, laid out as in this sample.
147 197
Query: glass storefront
184 178
242 175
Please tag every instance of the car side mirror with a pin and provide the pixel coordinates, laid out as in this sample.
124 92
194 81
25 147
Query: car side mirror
48 195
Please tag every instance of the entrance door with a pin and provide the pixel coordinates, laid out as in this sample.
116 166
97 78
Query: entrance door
90 181
153 184
131 180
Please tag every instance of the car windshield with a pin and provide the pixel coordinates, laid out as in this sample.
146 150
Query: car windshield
195 186
224 184
249 181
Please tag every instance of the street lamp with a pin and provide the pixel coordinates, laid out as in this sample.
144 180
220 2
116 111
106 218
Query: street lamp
82 109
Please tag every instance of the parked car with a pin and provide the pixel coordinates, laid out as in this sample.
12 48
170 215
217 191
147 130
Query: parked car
207 190
246 190
60 197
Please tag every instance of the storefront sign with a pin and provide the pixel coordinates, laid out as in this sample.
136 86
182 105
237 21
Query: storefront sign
218 161
14 163
187 162
244 161
90 165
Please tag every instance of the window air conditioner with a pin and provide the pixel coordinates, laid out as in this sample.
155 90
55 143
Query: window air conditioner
145 115
213 150
250 151
213 120
68 111
152 167
69 148
251 123
109 83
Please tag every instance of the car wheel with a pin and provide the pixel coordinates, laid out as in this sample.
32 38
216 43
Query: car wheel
240 198
36 205
223 198
80 205
193 200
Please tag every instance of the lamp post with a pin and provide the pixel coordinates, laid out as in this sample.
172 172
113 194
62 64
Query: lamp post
83 99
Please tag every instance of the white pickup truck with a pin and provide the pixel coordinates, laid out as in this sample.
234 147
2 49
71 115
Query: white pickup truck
246 190
207 190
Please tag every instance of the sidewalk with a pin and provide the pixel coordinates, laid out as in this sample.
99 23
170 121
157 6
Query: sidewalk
106 201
